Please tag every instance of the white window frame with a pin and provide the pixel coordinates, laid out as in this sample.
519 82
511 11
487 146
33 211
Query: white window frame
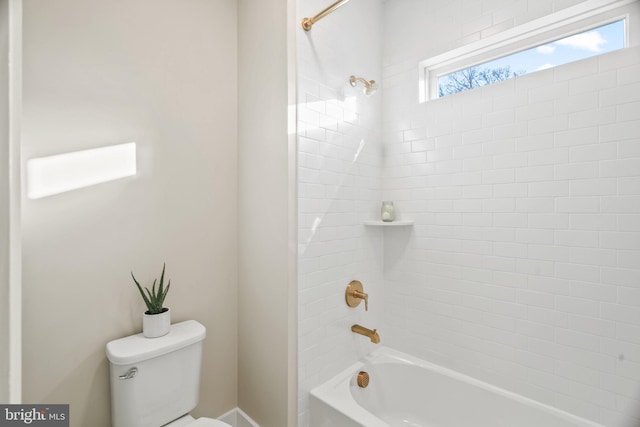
576 19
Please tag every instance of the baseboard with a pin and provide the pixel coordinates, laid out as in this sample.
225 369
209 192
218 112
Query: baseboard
238 418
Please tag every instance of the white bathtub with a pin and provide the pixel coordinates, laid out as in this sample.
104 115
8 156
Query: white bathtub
406 391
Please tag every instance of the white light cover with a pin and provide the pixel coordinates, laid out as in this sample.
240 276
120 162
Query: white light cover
51 175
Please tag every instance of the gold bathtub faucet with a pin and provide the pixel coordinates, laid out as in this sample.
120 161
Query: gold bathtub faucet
371 334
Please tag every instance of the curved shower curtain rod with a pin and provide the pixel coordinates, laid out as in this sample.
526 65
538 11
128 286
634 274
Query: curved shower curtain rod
307 23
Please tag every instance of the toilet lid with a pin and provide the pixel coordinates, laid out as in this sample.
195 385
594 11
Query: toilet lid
207 422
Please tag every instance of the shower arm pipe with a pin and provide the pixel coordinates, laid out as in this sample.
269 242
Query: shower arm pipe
362 80
307 23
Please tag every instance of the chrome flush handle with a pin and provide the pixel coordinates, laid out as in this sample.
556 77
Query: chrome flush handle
129 374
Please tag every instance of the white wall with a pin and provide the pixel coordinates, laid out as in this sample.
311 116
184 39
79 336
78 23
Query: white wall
266 233
339 159
523 266
10 263
4 201
162 74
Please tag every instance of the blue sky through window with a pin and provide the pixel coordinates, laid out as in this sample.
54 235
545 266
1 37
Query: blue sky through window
579 46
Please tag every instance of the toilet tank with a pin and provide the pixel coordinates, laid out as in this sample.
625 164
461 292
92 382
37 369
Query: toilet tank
155 380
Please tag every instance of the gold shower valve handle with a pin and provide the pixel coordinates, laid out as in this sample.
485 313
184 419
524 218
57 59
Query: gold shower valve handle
363 296
354 295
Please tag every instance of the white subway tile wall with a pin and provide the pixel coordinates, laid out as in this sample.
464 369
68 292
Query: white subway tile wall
339 188
523 266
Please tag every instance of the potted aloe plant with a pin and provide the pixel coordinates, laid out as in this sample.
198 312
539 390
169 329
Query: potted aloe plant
156 321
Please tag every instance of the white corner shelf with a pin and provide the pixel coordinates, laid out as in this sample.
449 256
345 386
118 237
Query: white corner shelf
378 223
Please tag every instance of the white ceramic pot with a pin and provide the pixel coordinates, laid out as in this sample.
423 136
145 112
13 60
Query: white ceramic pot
156 325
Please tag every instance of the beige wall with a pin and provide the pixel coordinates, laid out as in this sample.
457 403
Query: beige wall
266 327
161 73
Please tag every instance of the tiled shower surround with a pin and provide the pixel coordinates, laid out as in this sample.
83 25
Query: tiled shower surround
339 165
523 266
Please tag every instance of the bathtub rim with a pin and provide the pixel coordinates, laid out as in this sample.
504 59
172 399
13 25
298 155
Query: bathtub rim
336 392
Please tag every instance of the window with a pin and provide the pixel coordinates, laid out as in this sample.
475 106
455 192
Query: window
579 46
574 33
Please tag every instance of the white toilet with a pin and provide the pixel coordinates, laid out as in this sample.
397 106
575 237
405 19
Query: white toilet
156 382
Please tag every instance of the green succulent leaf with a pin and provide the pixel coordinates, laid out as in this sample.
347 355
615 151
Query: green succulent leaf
154 299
